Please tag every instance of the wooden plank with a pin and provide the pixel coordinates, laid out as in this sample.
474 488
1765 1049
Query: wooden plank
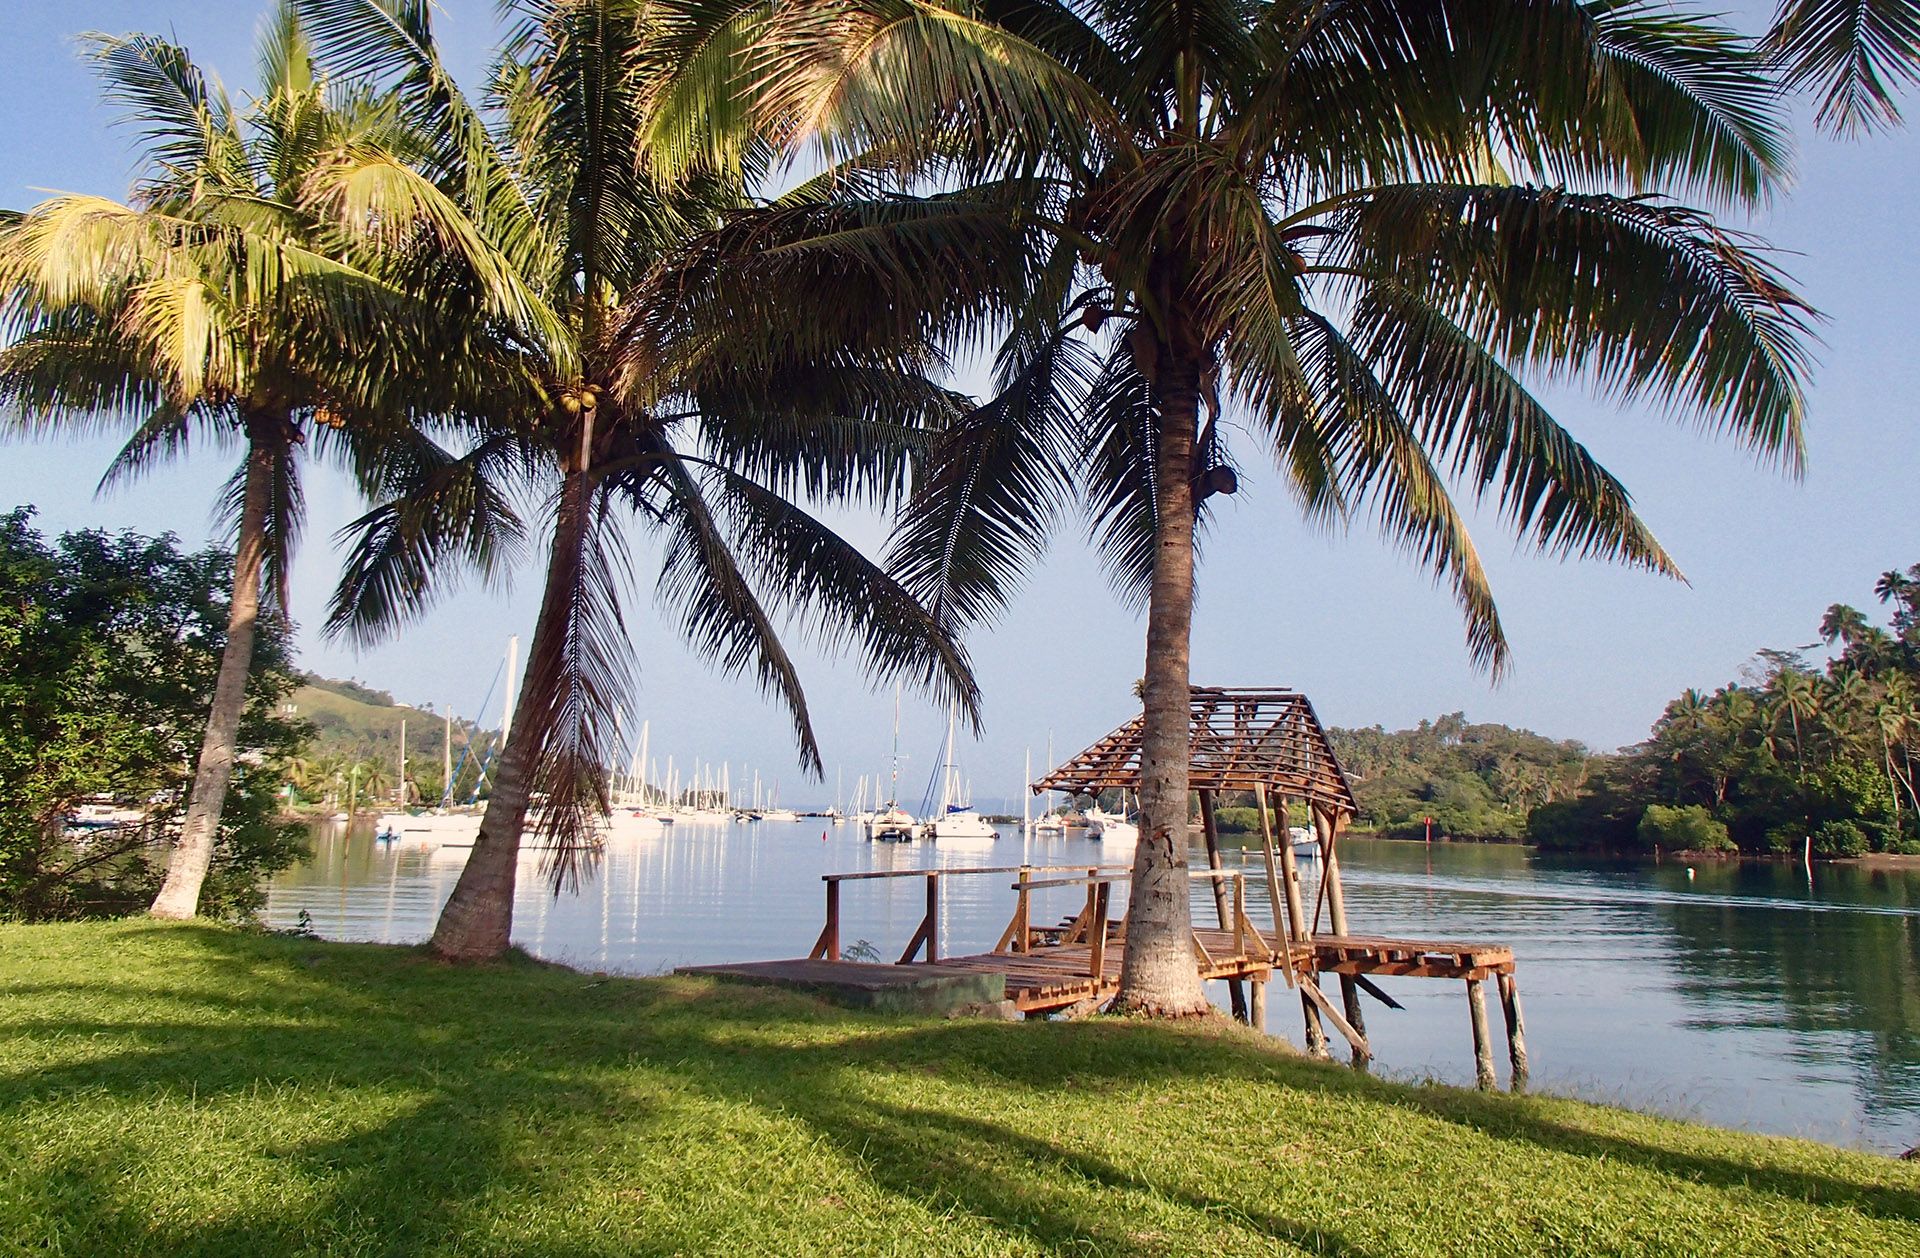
1311 990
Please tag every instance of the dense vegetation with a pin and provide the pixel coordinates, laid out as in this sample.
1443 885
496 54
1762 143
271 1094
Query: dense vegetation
1796 755
312 1098
1474 781
110 644
354 755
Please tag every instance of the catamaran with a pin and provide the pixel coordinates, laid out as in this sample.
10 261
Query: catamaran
892 824
956 821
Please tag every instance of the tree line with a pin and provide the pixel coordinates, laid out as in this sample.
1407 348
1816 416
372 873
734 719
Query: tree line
590 311
354 754
1796 757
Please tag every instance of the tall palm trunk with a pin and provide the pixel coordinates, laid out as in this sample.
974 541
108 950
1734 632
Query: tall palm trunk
1158 974
179 896
477 922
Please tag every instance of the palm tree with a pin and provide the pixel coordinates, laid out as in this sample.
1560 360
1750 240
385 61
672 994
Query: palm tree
1351 230
1896 718
1792 696
629 395
218 303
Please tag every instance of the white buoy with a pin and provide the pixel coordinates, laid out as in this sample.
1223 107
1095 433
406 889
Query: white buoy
1689 873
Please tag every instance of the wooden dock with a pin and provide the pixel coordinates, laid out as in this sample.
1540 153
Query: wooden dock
1265 742
1074 966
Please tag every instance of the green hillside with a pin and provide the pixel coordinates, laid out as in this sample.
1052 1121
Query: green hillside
358 727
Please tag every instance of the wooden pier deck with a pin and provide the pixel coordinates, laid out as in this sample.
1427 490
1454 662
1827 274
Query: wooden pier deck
1055 976
1074 966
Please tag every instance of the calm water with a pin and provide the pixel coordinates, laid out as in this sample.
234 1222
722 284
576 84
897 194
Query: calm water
1745 996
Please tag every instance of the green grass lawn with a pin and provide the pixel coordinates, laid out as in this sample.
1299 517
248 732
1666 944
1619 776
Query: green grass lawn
189 1089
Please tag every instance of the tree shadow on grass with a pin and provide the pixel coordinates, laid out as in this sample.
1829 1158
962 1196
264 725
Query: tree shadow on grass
425 1082
1113 1052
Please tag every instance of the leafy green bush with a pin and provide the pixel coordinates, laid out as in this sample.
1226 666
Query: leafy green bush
109 647
1839 838
1688 829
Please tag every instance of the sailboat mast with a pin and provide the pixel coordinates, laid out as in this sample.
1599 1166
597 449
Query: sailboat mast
400 789
506 703
948 770
446 762
1026 797
638 773
893 782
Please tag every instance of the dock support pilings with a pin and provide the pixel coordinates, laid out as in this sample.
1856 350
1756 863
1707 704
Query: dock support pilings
1236 991
1516 1030
1327 827
1482 1041
1296 916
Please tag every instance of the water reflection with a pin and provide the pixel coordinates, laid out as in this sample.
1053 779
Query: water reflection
1743 995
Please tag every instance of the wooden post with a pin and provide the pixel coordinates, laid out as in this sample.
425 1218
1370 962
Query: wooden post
1018 933
1328 826
1023 914
1097 941
1482 1042
1257 1006
1516 1030
1273 874
1240 914
933 918
1236 992
828 945
1297 921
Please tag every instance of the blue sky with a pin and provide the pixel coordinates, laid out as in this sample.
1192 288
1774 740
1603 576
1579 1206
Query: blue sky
1597 650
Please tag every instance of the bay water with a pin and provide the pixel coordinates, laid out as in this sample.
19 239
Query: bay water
1751 995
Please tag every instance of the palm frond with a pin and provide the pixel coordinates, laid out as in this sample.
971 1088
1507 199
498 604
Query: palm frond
579 680
444 515
721 617
185 122
1379 459
1473 414
987 494
1646 299
1856 53
1118 459
920 76
805 570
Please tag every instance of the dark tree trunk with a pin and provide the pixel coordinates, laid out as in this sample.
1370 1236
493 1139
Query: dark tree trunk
477 922
1159 974
179 896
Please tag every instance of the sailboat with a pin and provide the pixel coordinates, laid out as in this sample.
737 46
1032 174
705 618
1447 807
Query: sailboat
447 820
1051 823
1112 827
892 824
956 821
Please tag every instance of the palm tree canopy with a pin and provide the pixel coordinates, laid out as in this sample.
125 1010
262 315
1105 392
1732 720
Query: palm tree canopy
1370 231
221 298
677 367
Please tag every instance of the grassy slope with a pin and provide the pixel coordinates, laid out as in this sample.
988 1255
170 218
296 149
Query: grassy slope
187 1089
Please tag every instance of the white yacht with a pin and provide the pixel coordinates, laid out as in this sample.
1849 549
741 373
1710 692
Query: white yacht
1111 827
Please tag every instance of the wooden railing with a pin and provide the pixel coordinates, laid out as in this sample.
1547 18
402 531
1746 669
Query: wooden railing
1092 926
827 946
